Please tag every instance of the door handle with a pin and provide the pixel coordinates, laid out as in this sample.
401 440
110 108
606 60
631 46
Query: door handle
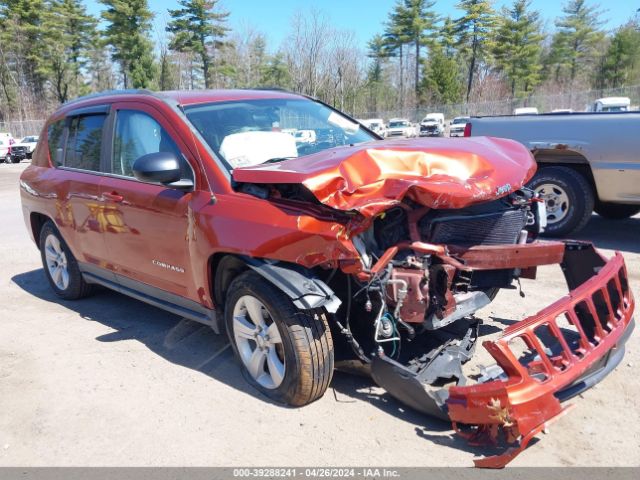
113 196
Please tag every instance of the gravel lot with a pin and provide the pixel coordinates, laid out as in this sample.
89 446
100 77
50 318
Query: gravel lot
112 381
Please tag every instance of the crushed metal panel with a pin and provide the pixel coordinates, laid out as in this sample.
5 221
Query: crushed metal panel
370 178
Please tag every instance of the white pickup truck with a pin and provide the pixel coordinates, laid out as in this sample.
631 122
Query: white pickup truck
586 162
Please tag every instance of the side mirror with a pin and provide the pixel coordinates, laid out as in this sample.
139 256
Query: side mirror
162 168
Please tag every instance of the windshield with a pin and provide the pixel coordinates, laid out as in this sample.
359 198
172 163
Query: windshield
459 120
397 124
29 140
251 132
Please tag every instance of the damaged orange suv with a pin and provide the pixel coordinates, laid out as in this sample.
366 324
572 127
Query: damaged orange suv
311 240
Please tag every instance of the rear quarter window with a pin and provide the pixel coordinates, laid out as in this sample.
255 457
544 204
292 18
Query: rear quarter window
55 139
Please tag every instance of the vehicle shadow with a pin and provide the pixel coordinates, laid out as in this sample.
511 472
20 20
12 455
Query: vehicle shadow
348 388
180 341
620 235
195 346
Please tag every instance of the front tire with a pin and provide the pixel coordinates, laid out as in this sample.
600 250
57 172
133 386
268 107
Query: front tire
60 266
568 197
8 159
286 353
614 211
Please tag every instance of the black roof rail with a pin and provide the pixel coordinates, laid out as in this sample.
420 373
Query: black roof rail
107 93
274 88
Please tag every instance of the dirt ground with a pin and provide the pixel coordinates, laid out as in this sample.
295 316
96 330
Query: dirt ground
112 381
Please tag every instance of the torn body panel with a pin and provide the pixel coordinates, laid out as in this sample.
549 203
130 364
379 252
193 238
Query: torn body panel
372 178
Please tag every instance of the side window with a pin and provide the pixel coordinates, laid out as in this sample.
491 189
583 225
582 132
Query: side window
85 142
137 134
55 139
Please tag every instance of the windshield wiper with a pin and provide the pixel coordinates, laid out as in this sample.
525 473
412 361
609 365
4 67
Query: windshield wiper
277 159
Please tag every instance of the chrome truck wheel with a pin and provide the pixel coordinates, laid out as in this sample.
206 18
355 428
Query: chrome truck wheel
556 200
568 197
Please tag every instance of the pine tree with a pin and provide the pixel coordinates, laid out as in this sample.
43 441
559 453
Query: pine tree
377 52
198 28
168 74
575 44
127 32
441 82
517 46
69 31
396 37
22 42
474 30
621 61
276 73
448 39
419 22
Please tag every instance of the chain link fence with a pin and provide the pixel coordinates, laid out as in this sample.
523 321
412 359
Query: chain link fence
577 101
21 129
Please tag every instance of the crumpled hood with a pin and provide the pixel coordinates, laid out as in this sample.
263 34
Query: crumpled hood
372 177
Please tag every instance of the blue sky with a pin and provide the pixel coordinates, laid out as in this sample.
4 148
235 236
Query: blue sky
363 17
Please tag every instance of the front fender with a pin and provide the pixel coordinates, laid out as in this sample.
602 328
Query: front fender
305 290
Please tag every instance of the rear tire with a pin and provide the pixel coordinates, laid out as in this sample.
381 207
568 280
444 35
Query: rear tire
568 196
60 266
296 344
614 211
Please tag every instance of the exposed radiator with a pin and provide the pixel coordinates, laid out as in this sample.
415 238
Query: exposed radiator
496 228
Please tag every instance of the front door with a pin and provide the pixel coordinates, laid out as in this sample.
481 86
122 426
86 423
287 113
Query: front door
147 227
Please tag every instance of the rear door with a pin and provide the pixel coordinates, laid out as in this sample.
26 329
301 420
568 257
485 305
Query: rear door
80 209
148 235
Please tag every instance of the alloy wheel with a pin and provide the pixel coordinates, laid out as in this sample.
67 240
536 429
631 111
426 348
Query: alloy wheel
258 342
56 261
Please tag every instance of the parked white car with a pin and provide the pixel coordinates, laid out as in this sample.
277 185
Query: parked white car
432 125
376 125
29 143
456 128
4 149
610 104
401 127
305 136
525 111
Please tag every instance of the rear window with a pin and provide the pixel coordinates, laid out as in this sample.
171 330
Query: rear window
55 134
85 142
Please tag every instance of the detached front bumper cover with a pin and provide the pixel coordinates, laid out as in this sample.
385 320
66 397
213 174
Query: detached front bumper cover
541 361
574 342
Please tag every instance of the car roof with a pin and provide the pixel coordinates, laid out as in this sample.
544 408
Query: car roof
182 97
